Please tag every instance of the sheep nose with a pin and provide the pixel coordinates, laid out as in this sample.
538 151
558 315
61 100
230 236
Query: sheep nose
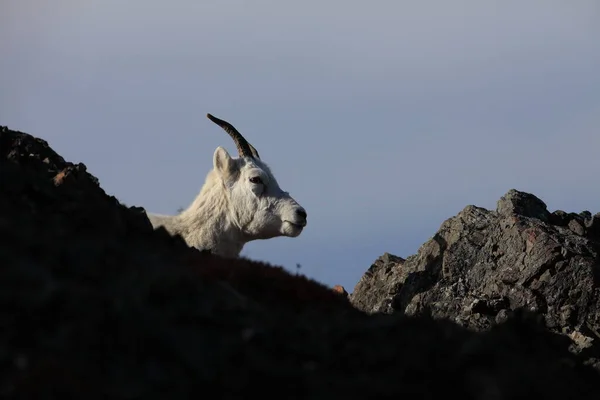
301 213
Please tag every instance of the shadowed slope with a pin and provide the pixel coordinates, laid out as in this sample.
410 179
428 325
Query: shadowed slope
95 304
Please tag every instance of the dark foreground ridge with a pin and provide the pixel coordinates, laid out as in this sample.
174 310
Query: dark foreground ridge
94 304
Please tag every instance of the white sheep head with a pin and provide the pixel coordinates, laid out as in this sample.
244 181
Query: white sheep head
262 210
239 202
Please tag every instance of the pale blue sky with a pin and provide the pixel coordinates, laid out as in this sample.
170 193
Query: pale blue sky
381 118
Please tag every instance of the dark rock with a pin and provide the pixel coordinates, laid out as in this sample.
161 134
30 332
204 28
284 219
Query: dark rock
586 215
378 280
523 204
559 218
592 226
576 227
481 264
95 304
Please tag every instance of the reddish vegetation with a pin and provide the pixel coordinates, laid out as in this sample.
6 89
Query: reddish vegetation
60 177
340 289
266 283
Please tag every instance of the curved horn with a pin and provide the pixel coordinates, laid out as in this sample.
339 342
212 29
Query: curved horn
244 148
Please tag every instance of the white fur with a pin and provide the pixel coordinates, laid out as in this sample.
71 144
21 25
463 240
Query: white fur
231 211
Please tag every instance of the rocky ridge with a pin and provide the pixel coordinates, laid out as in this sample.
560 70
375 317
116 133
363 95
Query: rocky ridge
483 264
96 304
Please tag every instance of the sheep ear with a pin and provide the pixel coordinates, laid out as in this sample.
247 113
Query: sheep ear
222 161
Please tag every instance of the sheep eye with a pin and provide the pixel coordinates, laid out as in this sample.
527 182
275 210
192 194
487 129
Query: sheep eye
256 180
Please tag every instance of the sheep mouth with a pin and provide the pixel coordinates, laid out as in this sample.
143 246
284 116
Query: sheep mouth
297 225
292 229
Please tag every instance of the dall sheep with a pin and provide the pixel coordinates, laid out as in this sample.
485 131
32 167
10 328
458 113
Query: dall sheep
239 202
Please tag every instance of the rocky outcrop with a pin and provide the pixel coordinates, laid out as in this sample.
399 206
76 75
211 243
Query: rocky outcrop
94 304
482 264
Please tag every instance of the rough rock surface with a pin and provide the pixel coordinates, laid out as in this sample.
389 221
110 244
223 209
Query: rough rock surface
482 264
94 304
